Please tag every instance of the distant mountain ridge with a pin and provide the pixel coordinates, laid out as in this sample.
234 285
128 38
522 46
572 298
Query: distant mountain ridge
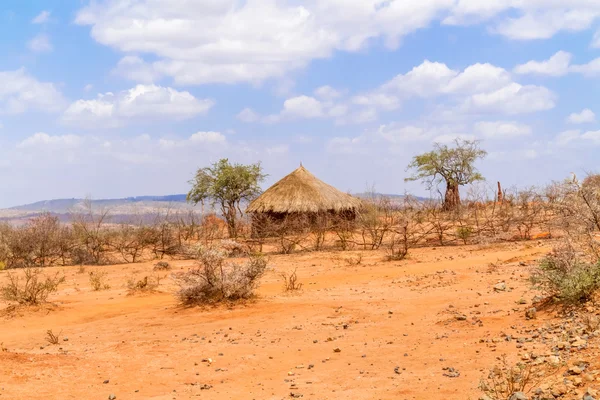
64 205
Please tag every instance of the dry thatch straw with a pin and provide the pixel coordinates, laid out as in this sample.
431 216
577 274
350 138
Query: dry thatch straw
302 192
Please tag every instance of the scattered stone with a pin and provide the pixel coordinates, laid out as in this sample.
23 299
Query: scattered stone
337 350
500 287
531 313
518 396
111 397
451 372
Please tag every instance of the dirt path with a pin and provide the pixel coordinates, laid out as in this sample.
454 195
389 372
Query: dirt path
396 325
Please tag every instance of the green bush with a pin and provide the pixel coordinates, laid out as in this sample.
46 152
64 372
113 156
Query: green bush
566 278
464 233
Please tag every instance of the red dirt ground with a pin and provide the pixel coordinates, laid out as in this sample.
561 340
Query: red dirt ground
380 315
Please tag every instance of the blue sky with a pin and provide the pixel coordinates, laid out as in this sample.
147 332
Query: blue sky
112 98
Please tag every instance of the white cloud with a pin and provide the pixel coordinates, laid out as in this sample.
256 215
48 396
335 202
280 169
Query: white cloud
596 39
502 129
44 140
88 87
302 107
511 100
327 93
140 102
20 92
585 116
40 44
136 69
207 137
593 136
591 69
567 136
557 65
248 115
543 24
237 44
41 18
576 135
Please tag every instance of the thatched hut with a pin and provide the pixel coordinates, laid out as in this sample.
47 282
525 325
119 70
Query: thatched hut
301 195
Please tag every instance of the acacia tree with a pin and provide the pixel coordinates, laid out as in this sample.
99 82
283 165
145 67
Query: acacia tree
227 185
453 166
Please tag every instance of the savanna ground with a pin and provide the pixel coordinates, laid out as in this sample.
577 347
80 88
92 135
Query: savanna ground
376 330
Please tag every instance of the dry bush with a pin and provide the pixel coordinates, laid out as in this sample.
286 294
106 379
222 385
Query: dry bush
216 280
146 284
98 280
344 229
51 337
354 260
566 277
130 241
39 243
161 266
375 220
32 288
504 380
211 228
232 248
92 236
464 233
290 282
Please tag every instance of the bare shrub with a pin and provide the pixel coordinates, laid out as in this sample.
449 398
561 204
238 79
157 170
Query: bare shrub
161 266
91 235
504 380
375 220
354 260
51 337
216 280
98 280
32 288
566 278
232 248
290 282
145 284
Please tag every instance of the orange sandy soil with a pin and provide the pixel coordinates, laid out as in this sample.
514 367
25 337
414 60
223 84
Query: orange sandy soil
397 314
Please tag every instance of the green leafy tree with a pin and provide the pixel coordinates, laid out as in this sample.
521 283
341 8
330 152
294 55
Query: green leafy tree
227 185
453 166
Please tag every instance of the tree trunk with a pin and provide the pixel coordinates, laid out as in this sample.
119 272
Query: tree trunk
500 194
452 197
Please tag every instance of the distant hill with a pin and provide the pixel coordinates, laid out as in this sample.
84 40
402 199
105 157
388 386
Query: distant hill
66 205
121 209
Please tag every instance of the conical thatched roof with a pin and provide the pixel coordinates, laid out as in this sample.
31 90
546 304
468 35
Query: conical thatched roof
301 191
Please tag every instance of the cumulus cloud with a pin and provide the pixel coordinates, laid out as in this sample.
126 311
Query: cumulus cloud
20 92
41 18
502 129
139 103
45 140
236 43
40 44
585 116
557 65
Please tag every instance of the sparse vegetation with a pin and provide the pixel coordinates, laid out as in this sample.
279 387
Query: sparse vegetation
31 287
504 380
98 280
162 266
51 337
145 284
567 278
215 279
290 282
